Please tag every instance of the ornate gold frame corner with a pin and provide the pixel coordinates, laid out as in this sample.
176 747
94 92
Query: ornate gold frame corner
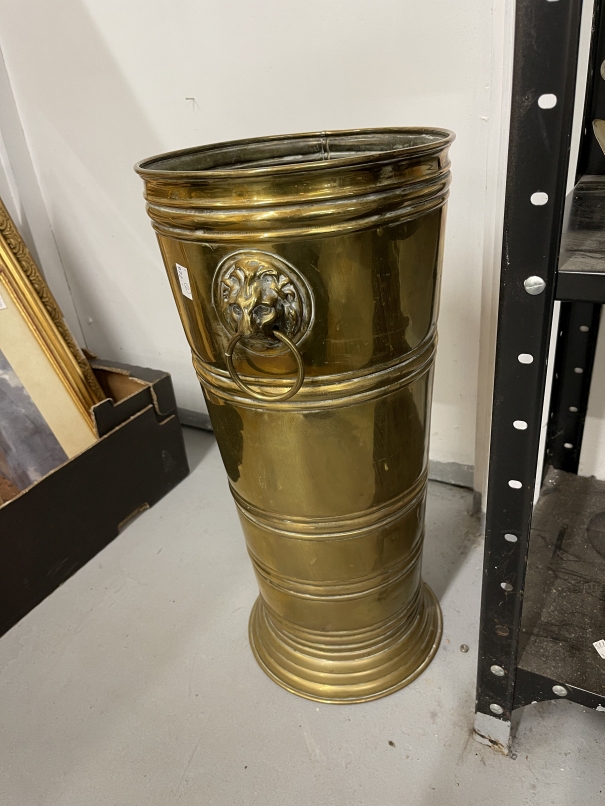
39 308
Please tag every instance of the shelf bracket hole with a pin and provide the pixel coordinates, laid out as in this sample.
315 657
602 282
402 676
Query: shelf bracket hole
539 198
547 101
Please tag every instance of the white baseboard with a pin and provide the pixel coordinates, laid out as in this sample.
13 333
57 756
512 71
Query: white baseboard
452 473
195 419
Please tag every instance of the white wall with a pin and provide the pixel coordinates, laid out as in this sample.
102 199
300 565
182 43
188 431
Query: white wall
21 194
592 456
100 84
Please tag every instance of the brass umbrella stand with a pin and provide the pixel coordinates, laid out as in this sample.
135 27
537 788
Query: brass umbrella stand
306 272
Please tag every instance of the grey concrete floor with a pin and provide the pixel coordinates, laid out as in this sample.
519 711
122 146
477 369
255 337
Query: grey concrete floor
133 685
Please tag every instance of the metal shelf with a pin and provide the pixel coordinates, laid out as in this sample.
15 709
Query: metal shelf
563 612
543 597
581 270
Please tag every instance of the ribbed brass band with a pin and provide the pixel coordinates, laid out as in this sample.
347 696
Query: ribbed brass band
324 391
339 590
343 527
335 216
360 641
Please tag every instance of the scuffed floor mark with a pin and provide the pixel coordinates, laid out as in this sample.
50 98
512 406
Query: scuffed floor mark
186 770
482 739
311 744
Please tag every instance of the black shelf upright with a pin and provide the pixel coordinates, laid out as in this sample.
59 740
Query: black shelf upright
530 647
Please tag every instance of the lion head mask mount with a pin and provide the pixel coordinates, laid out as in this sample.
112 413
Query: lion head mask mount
258 293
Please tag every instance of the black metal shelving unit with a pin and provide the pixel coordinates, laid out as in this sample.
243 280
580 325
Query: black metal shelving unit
543 599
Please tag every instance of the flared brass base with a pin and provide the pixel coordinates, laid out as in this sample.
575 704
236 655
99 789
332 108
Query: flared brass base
348 667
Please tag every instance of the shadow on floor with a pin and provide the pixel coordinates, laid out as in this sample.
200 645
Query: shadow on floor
197 442
451 532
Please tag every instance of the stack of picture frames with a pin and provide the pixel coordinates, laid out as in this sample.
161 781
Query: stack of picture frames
85 446
47 386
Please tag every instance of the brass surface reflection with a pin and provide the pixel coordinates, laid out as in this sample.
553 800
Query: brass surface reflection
306 271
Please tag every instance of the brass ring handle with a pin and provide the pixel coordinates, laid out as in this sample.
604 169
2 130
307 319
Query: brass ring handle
272 398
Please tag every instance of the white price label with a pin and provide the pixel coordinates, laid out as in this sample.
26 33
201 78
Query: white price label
184 281
600 647
2 304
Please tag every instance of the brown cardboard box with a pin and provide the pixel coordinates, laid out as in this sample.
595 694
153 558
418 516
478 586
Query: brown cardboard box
54 527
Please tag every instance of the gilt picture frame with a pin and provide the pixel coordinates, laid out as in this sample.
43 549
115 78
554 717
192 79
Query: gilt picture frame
47 387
